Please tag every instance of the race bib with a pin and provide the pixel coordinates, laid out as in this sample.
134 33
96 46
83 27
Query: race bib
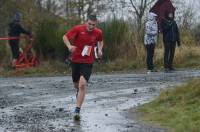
86 50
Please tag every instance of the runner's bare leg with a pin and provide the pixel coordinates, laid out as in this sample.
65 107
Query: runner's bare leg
76 84
82 91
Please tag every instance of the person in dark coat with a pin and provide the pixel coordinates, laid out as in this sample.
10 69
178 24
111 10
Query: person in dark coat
15 29
171 37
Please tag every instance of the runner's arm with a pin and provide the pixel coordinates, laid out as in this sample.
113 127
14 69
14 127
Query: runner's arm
66 41
68 44
100 45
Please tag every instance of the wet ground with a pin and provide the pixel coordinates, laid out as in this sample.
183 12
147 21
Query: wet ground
46 104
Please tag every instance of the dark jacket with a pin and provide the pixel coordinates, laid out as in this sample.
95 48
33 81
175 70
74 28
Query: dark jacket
15 29
170 31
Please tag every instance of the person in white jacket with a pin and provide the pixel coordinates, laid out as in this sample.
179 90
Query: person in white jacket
150 39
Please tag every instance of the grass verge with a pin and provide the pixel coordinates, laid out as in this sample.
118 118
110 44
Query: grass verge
185 58
177 109
47 68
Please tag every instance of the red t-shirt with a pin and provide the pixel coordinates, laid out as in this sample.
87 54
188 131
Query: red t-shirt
79 36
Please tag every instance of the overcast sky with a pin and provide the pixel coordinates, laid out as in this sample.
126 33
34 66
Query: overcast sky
194 4
195 7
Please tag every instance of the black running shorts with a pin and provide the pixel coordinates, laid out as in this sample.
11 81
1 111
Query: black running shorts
81 69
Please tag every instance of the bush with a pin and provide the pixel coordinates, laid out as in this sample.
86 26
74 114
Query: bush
117 39
196 32
5 53
49 39
187 38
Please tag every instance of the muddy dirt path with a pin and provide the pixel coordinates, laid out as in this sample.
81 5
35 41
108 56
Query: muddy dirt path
46 104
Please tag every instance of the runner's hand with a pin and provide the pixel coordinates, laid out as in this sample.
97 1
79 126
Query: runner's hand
100 53
72 49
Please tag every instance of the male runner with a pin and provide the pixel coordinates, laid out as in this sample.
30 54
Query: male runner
81 41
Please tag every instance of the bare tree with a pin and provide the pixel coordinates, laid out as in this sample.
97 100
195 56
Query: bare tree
2 17
185 13
139 7
188 17
51 5
82 8
39 4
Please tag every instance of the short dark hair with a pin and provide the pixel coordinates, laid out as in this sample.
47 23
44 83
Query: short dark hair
92 17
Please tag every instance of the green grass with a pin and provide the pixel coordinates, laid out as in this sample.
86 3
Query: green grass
177 109
46 68
117 65
51 68
185 58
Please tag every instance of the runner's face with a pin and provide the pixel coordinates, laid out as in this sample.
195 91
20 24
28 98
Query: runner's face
91 25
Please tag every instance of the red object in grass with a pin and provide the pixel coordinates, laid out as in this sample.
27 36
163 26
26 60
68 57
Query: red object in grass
9 38
26 58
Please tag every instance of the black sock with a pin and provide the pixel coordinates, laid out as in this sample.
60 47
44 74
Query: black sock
77 110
